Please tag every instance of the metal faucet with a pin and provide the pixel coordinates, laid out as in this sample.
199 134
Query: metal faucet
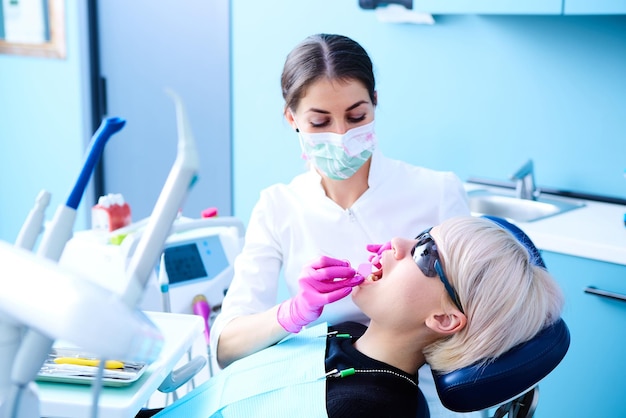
524 178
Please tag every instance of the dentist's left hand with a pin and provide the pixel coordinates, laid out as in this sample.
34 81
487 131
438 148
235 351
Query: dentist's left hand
377 250
324 281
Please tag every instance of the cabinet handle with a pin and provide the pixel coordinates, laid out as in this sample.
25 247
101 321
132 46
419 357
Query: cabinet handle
599 292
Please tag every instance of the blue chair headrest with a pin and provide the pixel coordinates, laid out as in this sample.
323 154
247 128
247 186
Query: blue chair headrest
478 387
474 388
521 236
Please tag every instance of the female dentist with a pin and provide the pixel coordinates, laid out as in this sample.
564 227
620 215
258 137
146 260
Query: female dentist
351 196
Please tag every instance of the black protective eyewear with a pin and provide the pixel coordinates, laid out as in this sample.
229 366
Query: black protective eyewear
427 259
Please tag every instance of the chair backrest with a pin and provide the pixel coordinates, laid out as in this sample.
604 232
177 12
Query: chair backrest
478 387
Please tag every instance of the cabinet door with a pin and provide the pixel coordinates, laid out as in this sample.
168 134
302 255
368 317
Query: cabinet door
586 7
489 6
589 382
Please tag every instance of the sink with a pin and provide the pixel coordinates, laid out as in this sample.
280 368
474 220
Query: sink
501 204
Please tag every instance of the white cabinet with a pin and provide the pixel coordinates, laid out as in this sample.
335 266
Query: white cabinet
589 381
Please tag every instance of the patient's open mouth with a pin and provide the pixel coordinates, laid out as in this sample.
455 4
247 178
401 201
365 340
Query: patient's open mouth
370 273
375 275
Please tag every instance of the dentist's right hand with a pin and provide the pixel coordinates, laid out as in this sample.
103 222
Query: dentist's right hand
324 281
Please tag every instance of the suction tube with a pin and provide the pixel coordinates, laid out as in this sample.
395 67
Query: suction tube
60 228
107 128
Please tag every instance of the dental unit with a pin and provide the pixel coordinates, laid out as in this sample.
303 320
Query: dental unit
79 303
35 345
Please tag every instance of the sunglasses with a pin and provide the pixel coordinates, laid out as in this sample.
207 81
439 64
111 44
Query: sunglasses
427 259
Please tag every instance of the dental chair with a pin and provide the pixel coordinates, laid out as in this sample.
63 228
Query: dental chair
510 382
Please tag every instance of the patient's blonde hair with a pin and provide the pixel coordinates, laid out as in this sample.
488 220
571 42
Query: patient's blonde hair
507 298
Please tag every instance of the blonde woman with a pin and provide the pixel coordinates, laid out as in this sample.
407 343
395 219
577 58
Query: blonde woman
461 293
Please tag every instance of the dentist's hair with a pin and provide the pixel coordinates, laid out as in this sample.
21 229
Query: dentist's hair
506 297
336 57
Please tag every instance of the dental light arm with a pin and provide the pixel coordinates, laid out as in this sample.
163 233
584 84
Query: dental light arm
181 178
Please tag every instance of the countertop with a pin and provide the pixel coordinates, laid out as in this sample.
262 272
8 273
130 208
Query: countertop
595 231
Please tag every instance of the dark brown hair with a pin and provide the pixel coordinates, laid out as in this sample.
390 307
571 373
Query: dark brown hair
336 57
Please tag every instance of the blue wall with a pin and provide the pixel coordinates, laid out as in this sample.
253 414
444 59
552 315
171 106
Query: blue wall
474 94
43 128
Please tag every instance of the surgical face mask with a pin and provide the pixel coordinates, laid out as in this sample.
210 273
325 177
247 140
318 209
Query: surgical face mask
339 156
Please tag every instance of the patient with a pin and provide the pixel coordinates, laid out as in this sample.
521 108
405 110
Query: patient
463 292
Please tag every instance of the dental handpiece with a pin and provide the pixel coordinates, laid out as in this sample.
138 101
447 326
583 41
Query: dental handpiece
33 224
201 307
164 285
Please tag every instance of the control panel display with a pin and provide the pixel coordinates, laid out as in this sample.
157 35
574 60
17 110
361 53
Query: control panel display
194 260
183 262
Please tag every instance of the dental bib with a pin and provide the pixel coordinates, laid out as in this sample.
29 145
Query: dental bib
282 380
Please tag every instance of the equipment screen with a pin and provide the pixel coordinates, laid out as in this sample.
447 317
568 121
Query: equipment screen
183 263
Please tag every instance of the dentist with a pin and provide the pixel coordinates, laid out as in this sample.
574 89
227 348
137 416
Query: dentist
351 196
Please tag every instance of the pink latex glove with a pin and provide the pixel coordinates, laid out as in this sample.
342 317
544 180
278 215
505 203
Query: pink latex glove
324 281
377 249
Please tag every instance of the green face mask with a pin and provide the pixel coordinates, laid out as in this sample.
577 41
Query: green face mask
339 156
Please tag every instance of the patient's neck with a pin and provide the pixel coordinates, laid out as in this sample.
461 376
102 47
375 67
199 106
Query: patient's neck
403 350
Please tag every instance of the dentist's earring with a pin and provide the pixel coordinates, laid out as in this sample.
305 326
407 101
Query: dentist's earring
297 130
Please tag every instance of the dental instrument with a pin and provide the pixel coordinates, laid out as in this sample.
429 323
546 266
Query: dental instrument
79 361
10 330
181 376
200 306
59 230
35 346
33 224
164 285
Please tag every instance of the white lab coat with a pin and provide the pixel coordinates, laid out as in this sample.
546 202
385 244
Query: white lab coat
292 225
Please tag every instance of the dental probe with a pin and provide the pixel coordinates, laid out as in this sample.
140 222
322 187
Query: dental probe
164 285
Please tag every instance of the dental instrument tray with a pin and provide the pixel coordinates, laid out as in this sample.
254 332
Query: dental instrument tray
71 365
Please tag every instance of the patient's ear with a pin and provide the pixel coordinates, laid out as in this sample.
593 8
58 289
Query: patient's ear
447 323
